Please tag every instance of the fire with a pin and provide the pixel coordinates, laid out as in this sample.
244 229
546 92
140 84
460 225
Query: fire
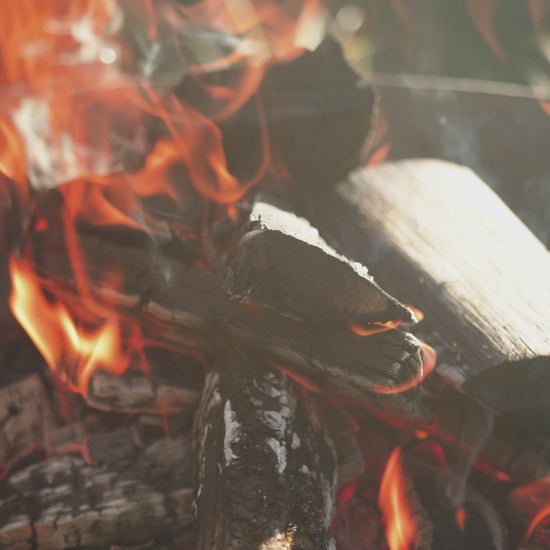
71 350
400 528
530 502
428 353
91 107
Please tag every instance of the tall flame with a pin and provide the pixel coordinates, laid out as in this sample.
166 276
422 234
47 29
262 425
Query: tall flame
400 528
91 107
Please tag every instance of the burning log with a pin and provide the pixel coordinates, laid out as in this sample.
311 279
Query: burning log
266 469
438 237
277 261
188 307
64 502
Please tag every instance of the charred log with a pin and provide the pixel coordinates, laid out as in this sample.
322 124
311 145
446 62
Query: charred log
188 307
65 502
283 263
315 109
26 415
439 238
266 469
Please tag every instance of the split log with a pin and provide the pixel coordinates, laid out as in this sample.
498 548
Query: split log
506 146
282 263
25 417
266 469
437 237
188 307
65 503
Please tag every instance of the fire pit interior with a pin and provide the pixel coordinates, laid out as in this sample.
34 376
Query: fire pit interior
271 281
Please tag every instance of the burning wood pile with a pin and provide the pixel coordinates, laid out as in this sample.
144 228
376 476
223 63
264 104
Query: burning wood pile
190 232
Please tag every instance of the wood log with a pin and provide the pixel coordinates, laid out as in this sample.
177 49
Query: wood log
26 415
316 111
282 263
188 306
138 392
66 503
438 238
266 469
506 146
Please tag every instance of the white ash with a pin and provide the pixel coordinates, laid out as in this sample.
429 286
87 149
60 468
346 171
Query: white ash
295 443
232 433
279 449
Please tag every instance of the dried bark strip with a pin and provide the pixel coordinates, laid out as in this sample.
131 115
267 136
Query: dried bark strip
266 469
64 502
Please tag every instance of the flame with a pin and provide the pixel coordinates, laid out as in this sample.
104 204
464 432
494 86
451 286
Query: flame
71 350
531 501
377 328
428 353
400 528
90 108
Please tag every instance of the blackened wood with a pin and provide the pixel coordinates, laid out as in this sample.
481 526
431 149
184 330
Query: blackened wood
136 391
66 503
282 263
316 111
437 237
26 415
188 307
266 469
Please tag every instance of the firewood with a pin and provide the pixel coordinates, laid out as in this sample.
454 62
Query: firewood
506 146
282 263
266 469
26 415
316 111
437 237
188 307
135 391
64 502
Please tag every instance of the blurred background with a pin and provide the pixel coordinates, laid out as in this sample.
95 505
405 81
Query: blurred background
463 80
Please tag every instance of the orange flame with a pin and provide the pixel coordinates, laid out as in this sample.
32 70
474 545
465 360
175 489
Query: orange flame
71 350
428 353
80 99
400 529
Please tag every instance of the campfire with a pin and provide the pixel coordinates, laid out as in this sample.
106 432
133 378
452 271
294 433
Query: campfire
230 321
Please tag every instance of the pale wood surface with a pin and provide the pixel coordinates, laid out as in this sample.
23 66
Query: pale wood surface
436 237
